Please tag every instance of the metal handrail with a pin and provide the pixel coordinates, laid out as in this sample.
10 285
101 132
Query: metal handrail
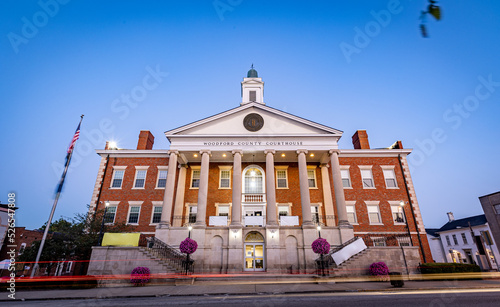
167 252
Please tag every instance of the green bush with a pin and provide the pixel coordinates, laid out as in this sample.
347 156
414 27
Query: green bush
435 268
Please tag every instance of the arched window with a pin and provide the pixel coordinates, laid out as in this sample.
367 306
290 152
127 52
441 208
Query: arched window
254 180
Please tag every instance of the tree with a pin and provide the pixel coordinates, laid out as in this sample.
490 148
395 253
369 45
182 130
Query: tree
70 239
433 10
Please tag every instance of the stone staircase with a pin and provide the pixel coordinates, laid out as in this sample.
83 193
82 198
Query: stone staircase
158 263
354 266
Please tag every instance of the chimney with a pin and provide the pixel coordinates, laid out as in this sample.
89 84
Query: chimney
146 140
360 140
107 145
451 218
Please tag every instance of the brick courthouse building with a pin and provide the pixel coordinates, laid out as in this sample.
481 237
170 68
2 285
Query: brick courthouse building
254 182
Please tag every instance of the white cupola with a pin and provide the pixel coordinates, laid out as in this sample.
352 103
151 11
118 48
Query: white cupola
252 88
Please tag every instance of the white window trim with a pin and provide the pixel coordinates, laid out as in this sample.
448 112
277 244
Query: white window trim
140 168
374 203
194 168
289 205
394 203
225 168
367 167
160 168
117 168
353 204
134 204
217 205
390 168
312 167
113 204
155 204
281 168
187 206
346 168
379 239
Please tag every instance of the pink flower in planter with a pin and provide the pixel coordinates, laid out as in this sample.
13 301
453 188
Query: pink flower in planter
188 246
321 246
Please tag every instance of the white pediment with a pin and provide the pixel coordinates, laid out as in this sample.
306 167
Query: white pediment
276 123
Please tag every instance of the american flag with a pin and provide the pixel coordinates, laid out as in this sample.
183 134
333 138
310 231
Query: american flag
75 137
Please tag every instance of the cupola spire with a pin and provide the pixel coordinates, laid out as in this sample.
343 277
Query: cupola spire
252 88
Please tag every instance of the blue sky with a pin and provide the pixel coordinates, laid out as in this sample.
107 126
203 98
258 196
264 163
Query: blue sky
439 95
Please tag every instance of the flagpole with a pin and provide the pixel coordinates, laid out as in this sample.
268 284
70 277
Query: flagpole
59 189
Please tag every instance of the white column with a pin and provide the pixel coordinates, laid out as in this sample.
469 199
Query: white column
338 188
327 196
203 189
304 189
236 206
270 188
168 198
179 197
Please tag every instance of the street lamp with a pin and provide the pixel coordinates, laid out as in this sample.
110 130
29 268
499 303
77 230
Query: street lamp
319 230
190 228
106 204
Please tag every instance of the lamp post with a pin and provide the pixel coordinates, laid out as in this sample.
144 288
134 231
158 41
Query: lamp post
106 204
319 230
321 255
190 228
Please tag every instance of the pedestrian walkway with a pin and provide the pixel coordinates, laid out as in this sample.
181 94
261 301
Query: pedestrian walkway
252 286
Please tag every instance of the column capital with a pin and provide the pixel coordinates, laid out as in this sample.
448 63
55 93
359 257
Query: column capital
332 151
240 151
304 151
183 166
271 151
324 165
205 151
173 152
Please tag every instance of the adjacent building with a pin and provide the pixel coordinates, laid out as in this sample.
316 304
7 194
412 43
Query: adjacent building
491 208
254 183
466 240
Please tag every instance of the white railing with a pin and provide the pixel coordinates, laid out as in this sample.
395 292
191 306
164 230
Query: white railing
289 220
217 221
254 198
253 221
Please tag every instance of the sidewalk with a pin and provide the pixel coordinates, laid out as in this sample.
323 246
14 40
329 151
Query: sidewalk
249 287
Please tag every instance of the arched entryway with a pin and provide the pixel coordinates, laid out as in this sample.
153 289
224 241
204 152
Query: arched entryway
254 196
254 252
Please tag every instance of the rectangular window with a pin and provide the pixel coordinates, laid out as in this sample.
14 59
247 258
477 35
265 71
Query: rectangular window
283 210
374 214
281 179
69 266
117 179
346 179
162 179
133 215
486 237
390 178
497 209
378 241
366 174
156 215
192 214
404 241
455 241
397 215
225 179
224 211
448 240
311 178
140 179
464 238
109 218
351 214
315 214
253 96
195 178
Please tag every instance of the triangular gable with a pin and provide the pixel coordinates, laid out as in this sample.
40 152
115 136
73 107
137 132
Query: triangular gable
276 122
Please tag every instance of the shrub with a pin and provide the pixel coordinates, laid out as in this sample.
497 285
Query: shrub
436 268
140 275
321 246
379 269
188 246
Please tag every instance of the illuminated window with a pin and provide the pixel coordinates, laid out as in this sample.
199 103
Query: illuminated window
311 177
281 179
195 177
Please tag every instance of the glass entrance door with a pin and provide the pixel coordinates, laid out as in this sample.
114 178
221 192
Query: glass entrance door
254 257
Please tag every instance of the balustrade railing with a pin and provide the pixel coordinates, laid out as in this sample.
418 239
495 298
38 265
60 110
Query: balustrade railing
170 254
254 198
